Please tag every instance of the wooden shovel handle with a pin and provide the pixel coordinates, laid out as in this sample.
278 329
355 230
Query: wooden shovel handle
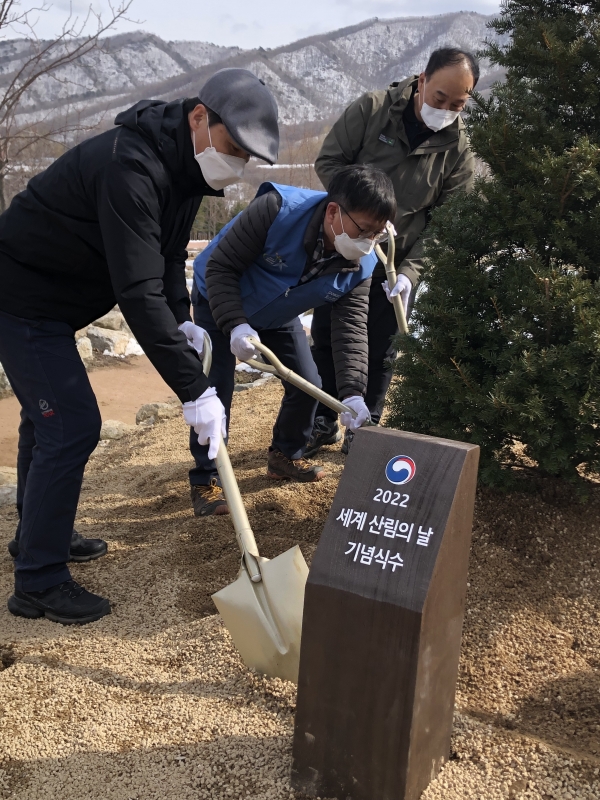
392 278
243 531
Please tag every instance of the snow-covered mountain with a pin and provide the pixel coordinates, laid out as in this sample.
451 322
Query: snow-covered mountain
312 78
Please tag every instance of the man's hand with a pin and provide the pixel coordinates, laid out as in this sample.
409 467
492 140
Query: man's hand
358 405
195 335
403 288
206 416
239 344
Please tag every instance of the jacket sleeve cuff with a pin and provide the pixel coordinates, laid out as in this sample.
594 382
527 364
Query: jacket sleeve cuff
193 392
351 390
231 324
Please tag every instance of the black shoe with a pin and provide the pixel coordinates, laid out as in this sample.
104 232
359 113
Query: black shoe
209 500
81 549
325 431
348 439
68 603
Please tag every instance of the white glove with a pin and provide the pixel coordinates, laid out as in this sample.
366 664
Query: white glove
239 344
358 405
195 335
403 288
206 416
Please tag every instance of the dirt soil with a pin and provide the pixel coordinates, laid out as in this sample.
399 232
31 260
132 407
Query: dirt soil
121 386
154 702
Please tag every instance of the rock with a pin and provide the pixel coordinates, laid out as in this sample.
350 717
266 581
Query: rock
133 348
113 321
8 475
150 413
84 348
8 494
81 333
115 429
5 387
107 341
241 387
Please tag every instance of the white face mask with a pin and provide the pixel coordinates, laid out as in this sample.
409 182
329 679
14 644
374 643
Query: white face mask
351 249
436 118
219 170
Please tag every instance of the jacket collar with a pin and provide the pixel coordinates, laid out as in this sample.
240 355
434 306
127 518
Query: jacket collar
399 94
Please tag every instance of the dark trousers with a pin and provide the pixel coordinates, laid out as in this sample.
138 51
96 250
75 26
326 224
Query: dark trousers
60 427
381 327
297 413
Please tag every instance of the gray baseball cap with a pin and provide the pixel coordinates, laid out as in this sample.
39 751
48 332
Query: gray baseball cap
247 108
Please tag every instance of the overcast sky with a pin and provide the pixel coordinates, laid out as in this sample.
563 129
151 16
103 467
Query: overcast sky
251 23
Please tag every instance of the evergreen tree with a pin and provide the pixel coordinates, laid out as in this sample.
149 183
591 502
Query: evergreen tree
505 344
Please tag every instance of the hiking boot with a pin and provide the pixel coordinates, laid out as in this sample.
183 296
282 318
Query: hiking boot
209 500
68 603
81 549
283 468
325 431
348 439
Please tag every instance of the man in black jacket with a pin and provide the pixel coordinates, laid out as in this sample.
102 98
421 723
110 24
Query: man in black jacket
108 223
291 250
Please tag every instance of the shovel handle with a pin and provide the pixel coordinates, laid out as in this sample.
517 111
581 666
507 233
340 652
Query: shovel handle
392 277
275 367
206 354
243 531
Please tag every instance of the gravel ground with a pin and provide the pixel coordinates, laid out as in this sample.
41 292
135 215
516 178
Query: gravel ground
154 702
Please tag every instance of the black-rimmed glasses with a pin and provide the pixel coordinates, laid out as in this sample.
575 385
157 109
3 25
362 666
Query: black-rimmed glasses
376 236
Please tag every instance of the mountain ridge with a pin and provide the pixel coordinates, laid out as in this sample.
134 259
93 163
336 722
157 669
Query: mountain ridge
312 78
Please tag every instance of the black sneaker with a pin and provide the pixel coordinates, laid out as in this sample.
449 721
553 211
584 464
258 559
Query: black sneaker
81 549
283 468
348 439
68 603
208 500
325 431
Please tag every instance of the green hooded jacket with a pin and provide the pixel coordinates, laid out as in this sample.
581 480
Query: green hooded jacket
371 131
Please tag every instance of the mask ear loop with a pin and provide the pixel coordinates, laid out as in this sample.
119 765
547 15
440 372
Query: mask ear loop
341 223
209 137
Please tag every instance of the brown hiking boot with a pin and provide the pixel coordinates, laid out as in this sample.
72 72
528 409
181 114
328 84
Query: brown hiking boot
209 500
283 468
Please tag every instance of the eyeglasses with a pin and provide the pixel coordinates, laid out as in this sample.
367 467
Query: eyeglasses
376 236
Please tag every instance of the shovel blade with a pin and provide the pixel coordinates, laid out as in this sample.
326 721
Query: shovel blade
265 619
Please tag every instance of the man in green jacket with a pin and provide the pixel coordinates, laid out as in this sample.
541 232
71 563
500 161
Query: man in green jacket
413 132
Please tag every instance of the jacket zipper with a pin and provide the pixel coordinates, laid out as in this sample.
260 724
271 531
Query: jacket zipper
114 151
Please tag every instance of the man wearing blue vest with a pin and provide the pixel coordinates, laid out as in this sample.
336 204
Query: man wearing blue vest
290 251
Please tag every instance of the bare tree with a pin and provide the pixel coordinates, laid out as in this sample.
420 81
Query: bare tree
23 132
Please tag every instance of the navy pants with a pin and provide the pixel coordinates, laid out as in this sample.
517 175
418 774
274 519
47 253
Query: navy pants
297 413
60 427
381 327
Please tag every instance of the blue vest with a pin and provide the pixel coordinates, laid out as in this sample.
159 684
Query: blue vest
271 293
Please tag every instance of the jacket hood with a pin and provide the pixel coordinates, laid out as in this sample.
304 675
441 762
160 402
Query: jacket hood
165 127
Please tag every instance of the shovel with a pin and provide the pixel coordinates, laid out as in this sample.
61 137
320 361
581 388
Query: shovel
262 608
390 273
275 367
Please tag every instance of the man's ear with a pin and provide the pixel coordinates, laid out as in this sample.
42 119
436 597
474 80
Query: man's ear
197 117
330 212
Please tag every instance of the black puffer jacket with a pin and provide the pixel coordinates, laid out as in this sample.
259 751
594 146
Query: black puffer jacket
109 223
237 251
